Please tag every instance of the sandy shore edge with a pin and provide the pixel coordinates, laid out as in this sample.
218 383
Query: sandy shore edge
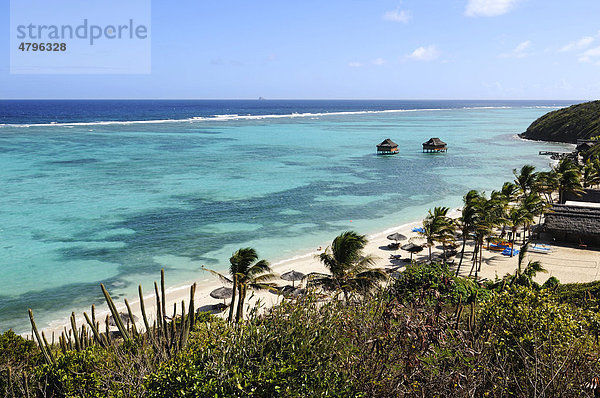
305 263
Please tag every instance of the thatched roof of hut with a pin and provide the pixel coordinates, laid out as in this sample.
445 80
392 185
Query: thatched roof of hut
578 220
584 146
387 143
435 142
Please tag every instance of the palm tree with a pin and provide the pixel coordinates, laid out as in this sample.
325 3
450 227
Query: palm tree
525 178
438 227
533 206
593 152
569 179
488 215
466 221
546 184
510 191
350 269
591 173
525 276
247 272
516 217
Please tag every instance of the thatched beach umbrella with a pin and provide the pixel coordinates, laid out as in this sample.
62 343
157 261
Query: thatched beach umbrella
396 236
292 276
222 293
124 318
412 248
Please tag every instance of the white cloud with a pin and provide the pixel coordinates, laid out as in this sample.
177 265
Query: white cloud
519 51
428 53
378 61
578 45
354 64
397 16
489 8
591 55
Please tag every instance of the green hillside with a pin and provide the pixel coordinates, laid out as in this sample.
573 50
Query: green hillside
567 125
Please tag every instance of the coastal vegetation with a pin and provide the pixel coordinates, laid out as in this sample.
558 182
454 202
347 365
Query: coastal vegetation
428 333
355 331
581 121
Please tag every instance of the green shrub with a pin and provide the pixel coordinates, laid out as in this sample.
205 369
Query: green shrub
75 374
296 351
434 281
551 283
537 343
17 358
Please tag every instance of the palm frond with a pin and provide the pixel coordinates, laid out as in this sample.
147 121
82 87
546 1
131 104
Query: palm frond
222 277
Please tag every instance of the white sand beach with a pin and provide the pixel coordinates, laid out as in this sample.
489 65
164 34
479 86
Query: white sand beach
568 264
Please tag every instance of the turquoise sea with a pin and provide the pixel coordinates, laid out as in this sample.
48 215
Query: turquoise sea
123 190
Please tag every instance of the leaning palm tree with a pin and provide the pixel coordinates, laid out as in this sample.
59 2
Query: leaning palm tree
546 184
591 173
516 217
569 179
533 206
437 227
466 221
524 276
350 269
525 178
488 215
247 272
510 192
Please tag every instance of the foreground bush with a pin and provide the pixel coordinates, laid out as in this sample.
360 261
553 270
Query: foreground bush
297 350
427 335
537 346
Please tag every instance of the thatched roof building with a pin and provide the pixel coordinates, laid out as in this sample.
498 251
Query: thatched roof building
387 147
573 223
589 195
584 146
435 145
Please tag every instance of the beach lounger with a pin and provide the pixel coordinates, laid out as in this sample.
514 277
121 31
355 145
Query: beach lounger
543 249
507 251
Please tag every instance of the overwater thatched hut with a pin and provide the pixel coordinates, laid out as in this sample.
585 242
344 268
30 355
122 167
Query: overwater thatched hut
435 145
387 147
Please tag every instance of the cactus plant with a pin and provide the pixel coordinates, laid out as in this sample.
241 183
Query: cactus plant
115 313
46 355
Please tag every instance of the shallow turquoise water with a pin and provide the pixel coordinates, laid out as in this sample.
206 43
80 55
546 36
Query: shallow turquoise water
88 204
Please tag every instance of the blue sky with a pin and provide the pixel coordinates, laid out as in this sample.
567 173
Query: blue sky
409 49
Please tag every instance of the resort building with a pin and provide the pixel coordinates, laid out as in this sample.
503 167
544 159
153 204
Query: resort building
584 145
387 147
574 222
435 145
577 221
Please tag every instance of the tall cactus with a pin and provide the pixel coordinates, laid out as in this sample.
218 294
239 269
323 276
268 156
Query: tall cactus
143 310
48 349
130 313
45 353
115 313
164 305
159 313
94 328
75 332
191 318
